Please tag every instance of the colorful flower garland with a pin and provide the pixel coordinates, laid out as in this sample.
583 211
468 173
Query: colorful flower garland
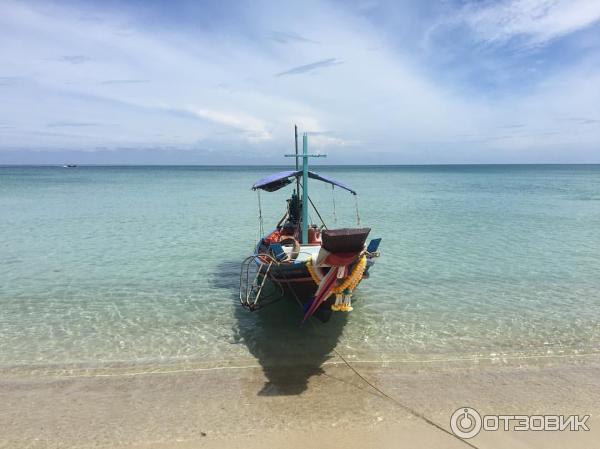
346 288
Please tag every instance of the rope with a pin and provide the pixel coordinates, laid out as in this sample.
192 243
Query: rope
400 404
333 199
317 211
383 393
379 390
260 217
357 214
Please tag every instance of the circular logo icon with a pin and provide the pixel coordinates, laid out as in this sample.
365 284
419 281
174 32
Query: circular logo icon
465 422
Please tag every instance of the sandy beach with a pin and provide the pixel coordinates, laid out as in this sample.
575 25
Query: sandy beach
302 406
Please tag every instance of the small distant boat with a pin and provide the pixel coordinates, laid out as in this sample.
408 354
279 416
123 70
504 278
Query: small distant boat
316 266
70 166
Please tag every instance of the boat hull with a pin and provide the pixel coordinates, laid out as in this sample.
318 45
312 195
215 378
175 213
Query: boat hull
296 281
278 271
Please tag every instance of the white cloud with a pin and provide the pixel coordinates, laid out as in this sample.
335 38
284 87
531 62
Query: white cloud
144 86
537 21
254 127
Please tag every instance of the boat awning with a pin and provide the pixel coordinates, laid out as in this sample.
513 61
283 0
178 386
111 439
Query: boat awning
276 181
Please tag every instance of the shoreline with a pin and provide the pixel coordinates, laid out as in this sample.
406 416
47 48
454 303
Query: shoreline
256 406
125 368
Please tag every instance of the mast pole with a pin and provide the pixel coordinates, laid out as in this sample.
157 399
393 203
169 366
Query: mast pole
296 139
297 179
304 188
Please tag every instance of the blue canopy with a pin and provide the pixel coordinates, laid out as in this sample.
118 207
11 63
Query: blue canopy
276 181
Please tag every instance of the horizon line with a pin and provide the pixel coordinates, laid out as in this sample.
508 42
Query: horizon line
318 165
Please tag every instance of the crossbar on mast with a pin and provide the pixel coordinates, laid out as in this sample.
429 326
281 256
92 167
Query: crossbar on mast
305 156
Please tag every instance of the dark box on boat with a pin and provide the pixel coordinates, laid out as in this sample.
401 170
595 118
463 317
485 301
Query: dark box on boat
345 240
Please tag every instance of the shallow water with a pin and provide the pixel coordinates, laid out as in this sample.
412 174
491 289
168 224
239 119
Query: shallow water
103 265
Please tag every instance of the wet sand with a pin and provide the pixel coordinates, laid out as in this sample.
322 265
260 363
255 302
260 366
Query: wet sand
250 406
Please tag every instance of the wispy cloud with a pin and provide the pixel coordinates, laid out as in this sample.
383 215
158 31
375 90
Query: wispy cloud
534 21
125 81
284 37
9 80
584 120
74 59
68 124
251 126
310 67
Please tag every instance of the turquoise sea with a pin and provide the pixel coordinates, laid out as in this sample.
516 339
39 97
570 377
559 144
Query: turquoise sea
139 265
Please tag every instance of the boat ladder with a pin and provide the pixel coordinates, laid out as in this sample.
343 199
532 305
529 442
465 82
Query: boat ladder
255 285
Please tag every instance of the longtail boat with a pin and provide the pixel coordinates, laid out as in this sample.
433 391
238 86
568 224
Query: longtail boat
316 266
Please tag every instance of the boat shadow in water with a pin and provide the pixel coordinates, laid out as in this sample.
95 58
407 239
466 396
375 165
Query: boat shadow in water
288 352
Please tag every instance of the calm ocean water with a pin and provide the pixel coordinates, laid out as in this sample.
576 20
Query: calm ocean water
102 265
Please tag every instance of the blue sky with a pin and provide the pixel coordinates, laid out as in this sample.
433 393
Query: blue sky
375 82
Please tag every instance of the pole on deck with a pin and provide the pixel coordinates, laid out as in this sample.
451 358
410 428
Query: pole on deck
297 178
296 139
305 188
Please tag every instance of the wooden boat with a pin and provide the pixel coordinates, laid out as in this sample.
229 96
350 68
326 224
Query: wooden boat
317 267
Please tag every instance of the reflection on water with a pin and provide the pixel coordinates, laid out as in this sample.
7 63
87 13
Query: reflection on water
289 353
